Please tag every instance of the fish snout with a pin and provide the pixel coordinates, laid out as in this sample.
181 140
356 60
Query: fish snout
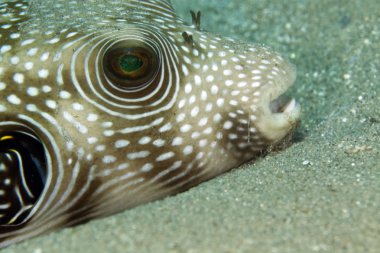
258 112
275 114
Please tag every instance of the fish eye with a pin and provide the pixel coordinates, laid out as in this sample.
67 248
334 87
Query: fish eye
22 175
130 67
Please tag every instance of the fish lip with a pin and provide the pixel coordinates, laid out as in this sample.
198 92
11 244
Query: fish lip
278 114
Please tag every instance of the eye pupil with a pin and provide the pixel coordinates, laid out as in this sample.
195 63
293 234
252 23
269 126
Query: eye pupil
130 66
130 63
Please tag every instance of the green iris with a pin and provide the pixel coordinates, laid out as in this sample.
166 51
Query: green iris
130 63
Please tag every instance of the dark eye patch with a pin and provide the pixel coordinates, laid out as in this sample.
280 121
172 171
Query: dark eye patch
22 175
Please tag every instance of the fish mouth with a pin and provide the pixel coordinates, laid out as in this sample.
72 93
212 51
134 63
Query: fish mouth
279 114
283 104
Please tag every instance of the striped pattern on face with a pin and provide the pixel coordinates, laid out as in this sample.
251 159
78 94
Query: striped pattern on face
122 104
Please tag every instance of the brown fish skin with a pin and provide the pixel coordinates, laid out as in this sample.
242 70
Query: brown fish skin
108 108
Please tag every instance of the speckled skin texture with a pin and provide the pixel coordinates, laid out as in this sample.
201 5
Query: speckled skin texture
128 104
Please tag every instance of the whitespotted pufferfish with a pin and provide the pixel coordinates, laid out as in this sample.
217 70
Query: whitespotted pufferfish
105 105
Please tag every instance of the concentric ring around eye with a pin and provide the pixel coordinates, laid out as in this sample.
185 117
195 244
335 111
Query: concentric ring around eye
23 175
141 81
130 66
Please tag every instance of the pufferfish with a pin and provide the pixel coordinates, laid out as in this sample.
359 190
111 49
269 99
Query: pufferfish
106 105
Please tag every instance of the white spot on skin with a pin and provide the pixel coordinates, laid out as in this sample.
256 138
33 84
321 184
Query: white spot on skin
255 84
188 150
69 35
208 130
195 135
194 112
199 156
185 128
165 128
78 107
197 80
138 155
145 140
14 60
147 167
232 136
70 145
229 83
165 156
14 36
51 104
214 89
220 102
123 166
27 42
181 103
214 67
210 78
32 52
203 143
2 86
44 56
92 117
180 117
244 99
121 143
108 133
53 41
256 78
233 102
31 107
100 148
92 140
217 118
13 99
177 141
227 125
28 65
185 70
203 122
188 88
204 95
256 71
64 94
159 143
5 48
209 107
107 124
227 72
192 99
18 78
43 73
46 88
109 159
6 26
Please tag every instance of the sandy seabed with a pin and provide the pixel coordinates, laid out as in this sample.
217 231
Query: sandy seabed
322 194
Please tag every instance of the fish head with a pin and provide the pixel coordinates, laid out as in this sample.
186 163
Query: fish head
107 107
